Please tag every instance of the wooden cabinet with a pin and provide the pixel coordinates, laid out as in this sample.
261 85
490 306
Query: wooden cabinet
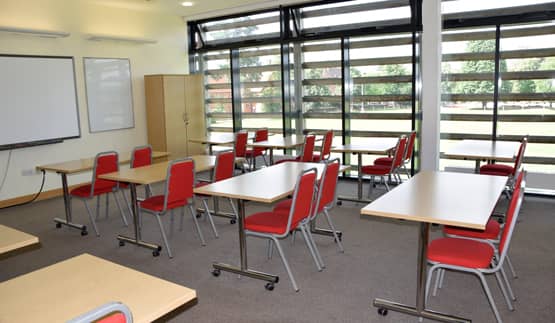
175 112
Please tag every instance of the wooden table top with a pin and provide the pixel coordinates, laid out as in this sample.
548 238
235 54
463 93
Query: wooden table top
485 149
375 145
280 142
12 239
459 199
265 185
156 172
81 165
62 291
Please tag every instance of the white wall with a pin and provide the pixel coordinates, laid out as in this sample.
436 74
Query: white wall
168 55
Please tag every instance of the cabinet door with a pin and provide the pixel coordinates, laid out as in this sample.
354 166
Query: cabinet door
174 100
155 117
195 118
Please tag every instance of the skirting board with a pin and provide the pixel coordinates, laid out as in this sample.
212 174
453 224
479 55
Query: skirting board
45 195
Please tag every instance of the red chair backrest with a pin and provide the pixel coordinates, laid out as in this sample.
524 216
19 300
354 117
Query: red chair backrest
308 148
241 138
179 181
303 198
225 165
512 213
141 156
105 162
328 185
410 146
260 135
399 152
520 155
326 145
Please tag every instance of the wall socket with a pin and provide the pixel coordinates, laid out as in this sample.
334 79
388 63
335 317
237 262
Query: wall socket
29 172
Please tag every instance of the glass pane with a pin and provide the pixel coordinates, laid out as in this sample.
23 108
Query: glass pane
217 91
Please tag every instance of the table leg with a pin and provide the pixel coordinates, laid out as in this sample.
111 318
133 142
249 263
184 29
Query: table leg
243 269
359 197
420 309
477 167
137 239
67 205
271 156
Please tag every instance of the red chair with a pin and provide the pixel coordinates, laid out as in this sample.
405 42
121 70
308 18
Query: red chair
177 193
325 199
308 150
409 150
240 147
278 225
113 312
224 169
105 162
476 257
506 170
385 171
325 151
251 154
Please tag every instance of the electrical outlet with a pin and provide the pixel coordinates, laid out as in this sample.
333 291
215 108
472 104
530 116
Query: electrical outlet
29 172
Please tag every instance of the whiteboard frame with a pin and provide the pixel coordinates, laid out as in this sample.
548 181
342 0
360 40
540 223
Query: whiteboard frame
50 140
90 107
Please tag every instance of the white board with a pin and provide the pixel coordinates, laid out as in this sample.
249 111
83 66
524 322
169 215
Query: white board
109 97
38 102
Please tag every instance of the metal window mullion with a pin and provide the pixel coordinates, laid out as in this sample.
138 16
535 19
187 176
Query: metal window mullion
285 74
416 121
299 76
346 96
496 84
235 89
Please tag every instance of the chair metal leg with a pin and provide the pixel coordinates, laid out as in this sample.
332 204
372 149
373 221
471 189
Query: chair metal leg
509 288
164 235
442 277
429 281
127 203
97 206
510 264
209 216
332 227
311 238
194 215
93 222
490 298
286 264
107 205
234 209
504 291
385 183
310 248
123 218
181 219
438 278
270 249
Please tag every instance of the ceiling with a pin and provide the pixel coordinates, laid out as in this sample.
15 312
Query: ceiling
201 7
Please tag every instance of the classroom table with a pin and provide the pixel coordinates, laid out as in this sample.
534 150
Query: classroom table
78 166
503 151
254 186
69 288
149 175
215 139
278 142
12 239
458 199
374 145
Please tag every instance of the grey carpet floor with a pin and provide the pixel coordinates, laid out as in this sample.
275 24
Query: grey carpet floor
379 261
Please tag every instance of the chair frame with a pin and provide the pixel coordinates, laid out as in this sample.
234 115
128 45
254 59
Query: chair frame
252 159
325 150
395 165
307 155
244 149
302 225
190 203
91 196
103 311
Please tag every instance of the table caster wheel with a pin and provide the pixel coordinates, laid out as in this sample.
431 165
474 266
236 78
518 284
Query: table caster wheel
382 311
269 286
500 220
58 225
232 221
198 215
216 272
339 203
156 253
84 232
121 243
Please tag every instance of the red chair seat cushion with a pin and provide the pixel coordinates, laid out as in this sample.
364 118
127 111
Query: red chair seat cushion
100 187
384 161
496 169
156 204
460 252
123 185
268 222
491 232
286 160
316 157
283 206
376 170
253 153
113 318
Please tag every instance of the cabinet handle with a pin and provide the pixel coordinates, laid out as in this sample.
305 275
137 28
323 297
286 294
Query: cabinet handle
185 118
